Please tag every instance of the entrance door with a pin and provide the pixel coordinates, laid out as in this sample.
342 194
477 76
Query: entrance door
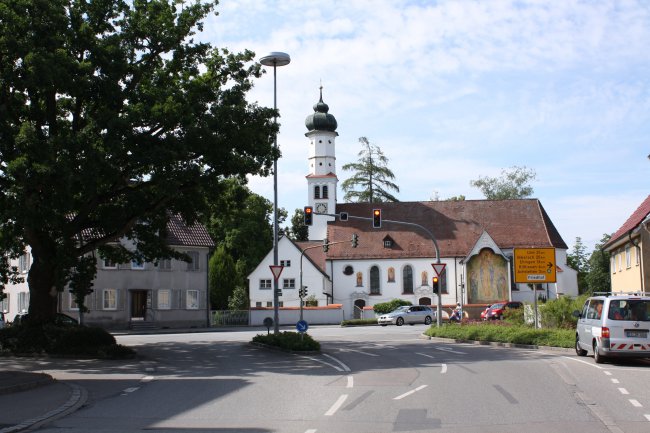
138 304
358 308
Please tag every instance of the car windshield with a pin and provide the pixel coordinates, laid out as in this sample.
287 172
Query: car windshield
629 309
497 306
402 309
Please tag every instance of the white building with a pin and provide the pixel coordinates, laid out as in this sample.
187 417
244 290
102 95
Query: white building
476 239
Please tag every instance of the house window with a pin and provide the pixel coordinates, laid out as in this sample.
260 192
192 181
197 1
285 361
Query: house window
407 279
613 263
317 191
443 282
620 267
628 257
192 300
374 281
388 243
637 253
165 265
4 304
109 264
109 299
289 283
265 284
164 299
285 263
258 304
193 264
325 191
269 304
23 263
23 302
73 303
137 265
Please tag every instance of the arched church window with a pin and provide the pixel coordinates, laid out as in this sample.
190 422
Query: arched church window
374 281
325 191
407 279
317 191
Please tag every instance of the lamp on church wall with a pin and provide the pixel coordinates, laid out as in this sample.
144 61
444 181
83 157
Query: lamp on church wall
275 59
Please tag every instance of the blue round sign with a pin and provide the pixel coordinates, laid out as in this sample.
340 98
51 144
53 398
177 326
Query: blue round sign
302 326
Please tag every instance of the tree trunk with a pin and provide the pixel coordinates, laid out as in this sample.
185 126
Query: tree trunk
42 291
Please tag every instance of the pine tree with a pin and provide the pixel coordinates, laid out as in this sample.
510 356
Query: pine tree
372 178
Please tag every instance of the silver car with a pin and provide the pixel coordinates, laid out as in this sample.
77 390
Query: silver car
614 326
410 314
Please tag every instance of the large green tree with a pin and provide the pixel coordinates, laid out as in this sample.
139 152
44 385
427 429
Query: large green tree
513 183
599 278
222 278
299 231
579 260
112 117
372 179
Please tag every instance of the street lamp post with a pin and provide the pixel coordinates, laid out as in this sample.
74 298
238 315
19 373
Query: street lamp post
275 59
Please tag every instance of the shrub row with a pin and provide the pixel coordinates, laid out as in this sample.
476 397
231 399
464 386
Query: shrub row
288 341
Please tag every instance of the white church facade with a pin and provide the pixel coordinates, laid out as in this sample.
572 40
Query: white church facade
476 241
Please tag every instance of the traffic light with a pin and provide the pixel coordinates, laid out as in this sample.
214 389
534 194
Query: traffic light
309 215
355 240
376 218
326 245
436 286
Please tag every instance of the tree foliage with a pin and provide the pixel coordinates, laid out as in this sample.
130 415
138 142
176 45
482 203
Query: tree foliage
112 117
579 260
372 179
222 278
513 183
599 277
299 231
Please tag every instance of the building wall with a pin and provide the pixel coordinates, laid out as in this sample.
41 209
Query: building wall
17 295
626 275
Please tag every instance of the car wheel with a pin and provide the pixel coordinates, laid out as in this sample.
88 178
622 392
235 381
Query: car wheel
427 320
399 321
579 350
598 358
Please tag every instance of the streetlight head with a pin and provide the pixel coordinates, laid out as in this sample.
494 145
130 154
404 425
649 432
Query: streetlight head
276 58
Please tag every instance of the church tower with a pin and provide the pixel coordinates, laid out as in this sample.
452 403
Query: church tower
321 180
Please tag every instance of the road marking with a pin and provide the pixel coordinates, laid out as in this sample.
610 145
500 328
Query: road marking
336 405
413 391
443 370
623 391
311 430
608 373
635 403
335 367
586 363
358 351
647 416
447 349
130 390
615 381
147 379
424 354
345 367
350 382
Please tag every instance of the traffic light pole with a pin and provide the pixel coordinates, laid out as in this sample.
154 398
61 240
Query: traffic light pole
405 223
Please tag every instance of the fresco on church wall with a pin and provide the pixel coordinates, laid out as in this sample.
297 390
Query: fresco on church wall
487 274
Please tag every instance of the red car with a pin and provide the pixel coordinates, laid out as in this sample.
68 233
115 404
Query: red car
484 312
495 312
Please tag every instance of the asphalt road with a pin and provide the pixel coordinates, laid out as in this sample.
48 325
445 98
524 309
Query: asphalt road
369 379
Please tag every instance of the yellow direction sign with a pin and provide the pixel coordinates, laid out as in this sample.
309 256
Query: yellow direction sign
535 265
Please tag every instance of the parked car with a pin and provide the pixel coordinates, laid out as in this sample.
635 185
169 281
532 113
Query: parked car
484 312
410 314
59 319
615 326
495 312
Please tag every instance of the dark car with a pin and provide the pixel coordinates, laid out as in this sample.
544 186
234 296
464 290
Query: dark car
496 310
59 319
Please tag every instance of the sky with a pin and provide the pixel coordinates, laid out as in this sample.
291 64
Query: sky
456 90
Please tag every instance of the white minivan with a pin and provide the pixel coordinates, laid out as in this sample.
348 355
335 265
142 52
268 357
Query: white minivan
612 326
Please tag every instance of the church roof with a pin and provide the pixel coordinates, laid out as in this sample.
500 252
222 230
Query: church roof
321 120
456 225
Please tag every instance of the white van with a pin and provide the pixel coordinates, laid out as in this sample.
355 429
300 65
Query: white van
616 325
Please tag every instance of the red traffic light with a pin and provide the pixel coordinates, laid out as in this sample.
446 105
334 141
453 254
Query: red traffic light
309 215
376 218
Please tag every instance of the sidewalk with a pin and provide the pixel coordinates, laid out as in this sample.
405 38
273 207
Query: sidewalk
28 399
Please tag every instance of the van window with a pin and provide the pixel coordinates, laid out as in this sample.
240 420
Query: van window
595 309
629 309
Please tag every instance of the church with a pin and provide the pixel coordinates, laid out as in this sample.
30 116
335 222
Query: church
475 239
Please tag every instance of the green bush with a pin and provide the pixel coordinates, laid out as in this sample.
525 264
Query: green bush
505 333
387 307
558 313
514 316
288 341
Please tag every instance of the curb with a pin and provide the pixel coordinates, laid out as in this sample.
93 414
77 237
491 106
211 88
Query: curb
42 380
77 399
498 344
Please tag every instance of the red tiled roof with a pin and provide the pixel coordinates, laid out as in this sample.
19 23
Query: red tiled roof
178 233
456 225
632 222
314 255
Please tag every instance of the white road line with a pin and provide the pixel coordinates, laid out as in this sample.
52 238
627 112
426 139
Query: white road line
424 354
608 373
443 370
350 382
585 362
623 391
311 430
147 379
447 349
335 367
358 351
128 390
413 391
336 405
635 403
615 381
647 416
345 367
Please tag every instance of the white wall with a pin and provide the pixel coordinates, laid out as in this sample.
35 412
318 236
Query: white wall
317 316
